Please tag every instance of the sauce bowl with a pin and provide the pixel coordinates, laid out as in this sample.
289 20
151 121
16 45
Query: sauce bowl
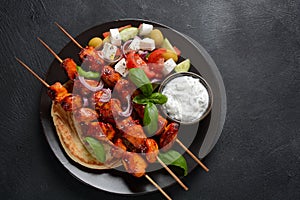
187 97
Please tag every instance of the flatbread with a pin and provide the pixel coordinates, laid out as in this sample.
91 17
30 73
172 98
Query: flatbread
67 131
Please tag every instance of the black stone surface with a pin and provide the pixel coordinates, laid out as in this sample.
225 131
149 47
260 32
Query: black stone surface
256 46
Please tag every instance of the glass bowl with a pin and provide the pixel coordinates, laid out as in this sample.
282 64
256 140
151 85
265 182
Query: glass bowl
188 101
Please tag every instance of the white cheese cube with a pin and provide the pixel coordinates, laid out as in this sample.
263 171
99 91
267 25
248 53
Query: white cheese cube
145 29
169 65
135 44
147 44
115 37
109 51
121 67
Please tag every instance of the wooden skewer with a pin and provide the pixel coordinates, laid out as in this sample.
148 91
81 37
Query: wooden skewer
172 174
178 141
158 187
32 72
65 32
49 49
192 155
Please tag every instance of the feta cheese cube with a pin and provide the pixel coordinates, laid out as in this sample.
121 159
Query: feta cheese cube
121 67
109 51
147 44
145 29
115 37
135 44
169 65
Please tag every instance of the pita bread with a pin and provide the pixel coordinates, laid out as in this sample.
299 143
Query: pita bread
68 132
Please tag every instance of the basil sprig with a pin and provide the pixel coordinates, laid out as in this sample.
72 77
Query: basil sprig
97 147
140 79
174 158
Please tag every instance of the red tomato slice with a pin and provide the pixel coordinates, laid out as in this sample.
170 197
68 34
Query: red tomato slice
149 73
157 68
134 60
156 55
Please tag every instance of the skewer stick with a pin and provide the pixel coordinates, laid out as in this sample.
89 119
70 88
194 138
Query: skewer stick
178 141
69 36
192 155
158 187
32 72
51 51
172 174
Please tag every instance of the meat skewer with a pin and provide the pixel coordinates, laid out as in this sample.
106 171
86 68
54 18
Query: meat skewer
137 128
108 74
177 140
68 64
57 92
128 156
132 137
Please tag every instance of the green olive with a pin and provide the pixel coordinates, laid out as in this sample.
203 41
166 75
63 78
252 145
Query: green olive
157 36
95 42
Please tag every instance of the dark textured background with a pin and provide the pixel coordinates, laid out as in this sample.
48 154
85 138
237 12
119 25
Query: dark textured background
256 46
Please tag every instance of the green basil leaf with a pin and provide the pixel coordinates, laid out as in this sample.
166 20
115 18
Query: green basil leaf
97 148
158 98
150 118
174 158
140 79
87 74
140 99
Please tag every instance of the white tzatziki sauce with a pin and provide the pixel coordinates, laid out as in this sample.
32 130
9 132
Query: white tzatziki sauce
187 98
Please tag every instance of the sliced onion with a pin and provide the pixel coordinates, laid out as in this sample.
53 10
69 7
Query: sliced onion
156 80
88 86
85 102
128 110
125 47
106 96
143 54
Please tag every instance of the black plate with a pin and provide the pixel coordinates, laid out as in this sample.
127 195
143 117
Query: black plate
200 138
